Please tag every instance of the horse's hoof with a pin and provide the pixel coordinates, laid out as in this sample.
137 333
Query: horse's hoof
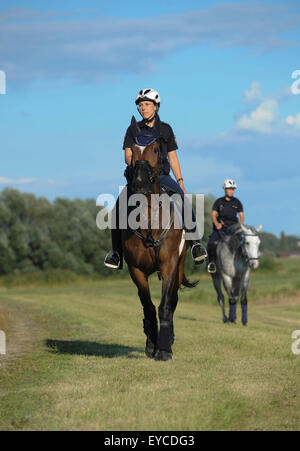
225 319
150 352
150 348
163 355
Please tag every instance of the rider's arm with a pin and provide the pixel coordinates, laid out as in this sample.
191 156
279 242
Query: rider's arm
175 166
214 215
242 217
128 154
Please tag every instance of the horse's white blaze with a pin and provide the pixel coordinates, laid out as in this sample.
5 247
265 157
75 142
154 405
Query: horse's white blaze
252 247
142 148
182 242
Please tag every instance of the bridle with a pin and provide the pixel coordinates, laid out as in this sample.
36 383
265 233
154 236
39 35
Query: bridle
150 170
244 252
149 240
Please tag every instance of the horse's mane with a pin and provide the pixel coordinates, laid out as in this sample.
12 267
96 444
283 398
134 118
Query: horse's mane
250 228
233 229
235 232
237 228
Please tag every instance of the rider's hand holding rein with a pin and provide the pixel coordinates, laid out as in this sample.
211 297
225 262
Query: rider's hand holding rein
217 224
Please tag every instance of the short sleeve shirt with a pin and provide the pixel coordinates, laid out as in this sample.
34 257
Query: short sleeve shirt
227 210
160 130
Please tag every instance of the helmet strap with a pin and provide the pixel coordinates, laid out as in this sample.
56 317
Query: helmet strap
147 121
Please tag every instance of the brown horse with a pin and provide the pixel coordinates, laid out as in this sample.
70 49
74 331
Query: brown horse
161 249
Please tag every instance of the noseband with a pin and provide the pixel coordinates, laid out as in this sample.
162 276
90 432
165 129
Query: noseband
244 252
149 169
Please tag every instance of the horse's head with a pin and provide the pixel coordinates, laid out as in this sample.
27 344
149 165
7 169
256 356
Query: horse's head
245 238
145 162
251 242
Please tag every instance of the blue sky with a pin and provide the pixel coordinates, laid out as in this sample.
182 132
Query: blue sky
223 70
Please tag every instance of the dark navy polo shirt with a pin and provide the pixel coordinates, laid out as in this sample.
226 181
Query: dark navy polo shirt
160 130
227 210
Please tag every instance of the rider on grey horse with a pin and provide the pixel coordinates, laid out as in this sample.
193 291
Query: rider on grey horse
143 133
224 214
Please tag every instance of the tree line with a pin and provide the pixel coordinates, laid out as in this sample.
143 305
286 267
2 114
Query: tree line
36 234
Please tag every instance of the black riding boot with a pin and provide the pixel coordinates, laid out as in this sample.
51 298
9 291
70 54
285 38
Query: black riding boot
198 252
114 259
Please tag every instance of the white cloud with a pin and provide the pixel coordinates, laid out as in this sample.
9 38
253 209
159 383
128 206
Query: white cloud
293 120
35 181
262 118
262 114
254 93
37 45
21 181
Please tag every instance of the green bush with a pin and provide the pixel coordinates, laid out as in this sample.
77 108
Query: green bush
269 264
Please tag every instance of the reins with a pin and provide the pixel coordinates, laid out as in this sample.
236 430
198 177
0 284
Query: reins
246 256
149 241
244 253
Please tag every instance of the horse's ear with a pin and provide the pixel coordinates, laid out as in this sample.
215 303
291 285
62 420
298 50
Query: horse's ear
259 228
134 126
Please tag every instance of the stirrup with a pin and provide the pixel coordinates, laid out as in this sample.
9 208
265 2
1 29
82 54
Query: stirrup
212 268
110 263
201 258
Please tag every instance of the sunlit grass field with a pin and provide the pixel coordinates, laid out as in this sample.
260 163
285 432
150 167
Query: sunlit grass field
75 356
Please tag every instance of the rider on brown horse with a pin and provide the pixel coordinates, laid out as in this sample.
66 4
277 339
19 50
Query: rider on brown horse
143 133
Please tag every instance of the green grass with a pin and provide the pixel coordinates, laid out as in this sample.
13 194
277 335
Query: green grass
75 358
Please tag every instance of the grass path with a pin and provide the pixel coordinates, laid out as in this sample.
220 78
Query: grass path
75 360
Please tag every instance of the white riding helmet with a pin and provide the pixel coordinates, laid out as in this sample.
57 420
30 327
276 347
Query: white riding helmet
228 183
148 94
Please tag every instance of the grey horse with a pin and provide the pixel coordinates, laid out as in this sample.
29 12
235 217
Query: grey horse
237 253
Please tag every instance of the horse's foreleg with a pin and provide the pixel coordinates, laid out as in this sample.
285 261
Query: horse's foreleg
165 313
150 319
232 295
175 295
173 307
235 291
217 284
244 305
244 301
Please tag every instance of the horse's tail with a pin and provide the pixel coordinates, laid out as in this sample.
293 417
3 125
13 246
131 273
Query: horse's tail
185 282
